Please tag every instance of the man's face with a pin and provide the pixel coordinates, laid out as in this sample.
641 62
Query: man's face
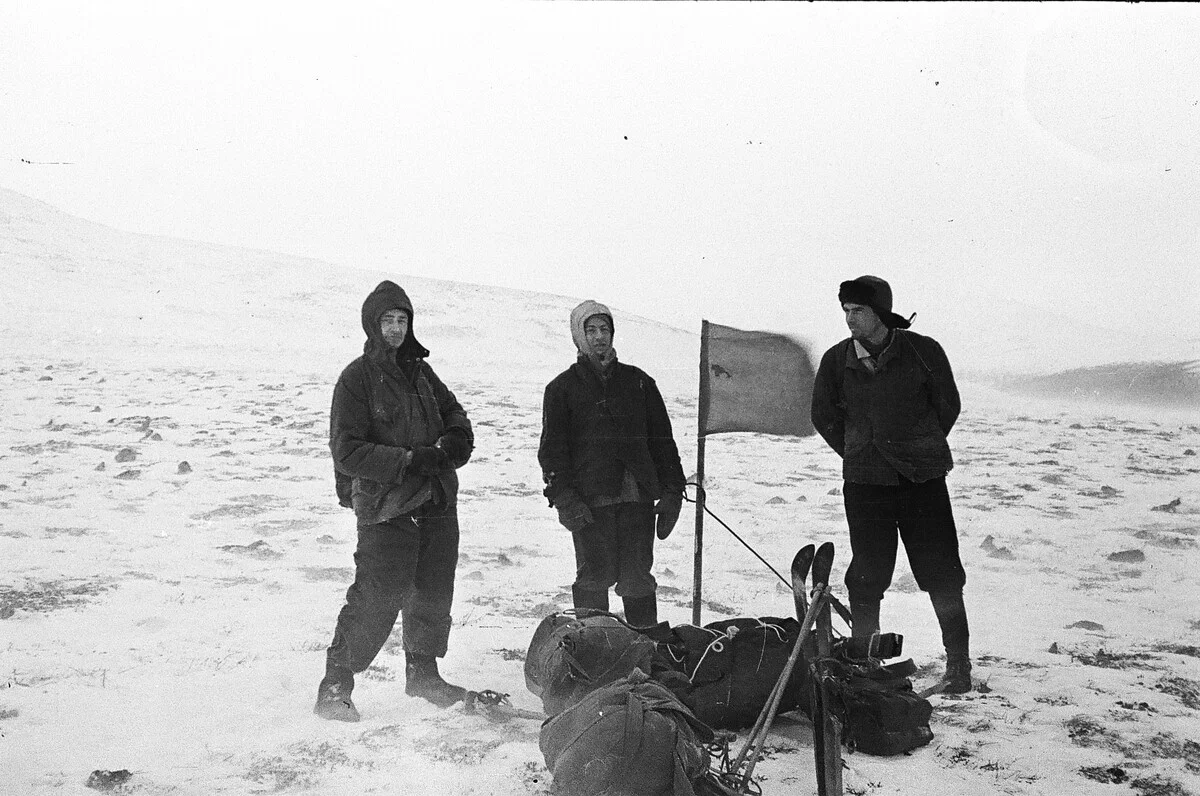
864 324
598 334
394 326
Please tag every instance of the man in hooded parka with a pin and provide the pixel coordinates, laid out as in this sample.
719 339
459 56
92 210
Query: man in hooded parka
611 468
397 435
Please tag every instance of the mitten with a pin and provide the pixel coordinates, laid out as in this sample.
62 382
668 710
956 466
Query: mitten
573 513
428 460
457 446
667 509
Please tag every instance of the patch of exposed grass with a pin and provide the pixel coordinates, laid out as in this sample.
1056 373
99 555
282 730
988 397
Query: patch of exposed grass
1115 660
301 767
460 752
1158 785
46 596
1185 690
1087 731
1113 775
1189 650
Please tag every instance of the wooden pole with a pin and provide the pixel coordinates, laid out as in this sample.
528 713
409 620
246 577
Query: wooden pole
698 561
829 751
701 419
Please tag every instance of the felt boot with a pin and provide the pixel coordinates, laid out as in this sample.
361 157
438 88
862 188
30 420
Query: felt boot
333 701
421 679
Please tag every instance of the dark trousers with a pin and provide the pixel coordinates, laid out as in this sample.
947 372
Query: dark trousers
404 566
918 514
617 549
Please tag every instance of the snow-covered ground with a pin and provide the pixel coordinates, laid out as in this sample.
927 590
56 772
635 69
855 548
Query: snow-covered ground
174 557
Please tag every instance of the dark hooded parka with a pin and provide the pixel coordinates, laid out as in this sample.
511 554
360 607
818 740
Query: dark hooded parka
386 403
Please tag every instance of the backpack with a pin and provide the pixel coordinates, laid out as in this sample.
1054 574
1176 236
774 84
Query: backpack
631 737
879 711
573 653
733 665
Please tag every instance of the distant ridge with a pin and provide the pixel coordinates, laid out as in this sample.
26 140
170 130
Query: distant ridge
81 290
1174 384
78 288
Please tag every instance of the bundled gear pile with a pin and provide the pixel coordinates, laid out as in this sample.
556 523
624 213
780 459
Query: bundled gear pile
879 711
633 710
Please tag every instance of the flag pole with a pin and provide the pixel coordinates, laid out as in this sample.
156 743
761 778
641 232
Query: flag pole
701 418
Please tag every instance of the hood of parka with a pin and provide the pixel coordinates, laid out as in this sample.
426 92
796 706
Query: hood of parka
579 317
389 296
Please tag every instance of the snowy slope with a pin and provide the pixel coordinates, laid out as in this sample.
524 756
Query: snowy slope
171 619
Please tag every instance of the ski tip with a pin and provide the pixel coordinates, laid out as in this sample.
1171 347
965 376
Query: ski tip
803 555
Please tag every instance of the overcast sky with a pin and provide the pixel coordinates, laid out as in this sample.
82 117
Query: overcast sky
723 160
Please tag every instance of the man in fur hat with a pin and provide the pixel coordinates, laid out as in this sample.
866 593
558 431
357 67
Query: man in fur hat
397 435
885 400
611 468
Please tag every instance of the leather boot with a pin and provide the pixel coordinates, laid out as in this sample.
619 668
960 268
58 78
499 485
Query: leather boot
641 611
864 619
958 674
588 599
421 679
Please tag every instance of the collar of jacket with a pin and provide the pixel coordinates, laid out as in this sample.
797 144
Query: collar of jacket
603 372
856 353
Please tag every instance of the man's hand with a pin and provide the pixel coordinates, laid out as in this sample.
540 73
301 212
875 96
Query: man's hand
667 509
573 513
456 445
429 460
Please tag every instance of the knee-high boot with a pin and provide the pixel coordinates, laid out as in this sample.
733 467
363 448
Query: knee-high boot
956 638
864 618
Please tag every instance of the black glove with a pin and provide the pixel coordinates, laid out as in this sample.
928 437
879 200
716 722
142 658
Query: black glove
457 446
428 460
573 513
667 509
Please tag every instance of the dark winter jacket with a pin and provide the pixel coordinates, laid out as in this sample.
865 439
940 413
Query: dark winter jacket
386 403
594 429
891 422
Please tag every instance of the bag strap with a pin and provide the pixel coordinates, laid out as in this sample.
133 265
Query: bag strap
635 721
622 664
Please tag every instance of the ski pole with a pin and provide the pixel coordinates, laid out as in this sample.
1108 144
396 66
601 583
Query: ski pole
780 685
762 726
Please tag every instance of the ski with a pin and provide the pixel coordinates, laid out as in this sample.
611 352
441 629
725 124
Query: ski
827 734
800 566
822 564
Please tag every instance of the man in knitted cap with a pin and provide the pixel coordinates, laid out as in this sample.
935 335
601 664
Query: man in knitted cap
885 400
611 468
397 435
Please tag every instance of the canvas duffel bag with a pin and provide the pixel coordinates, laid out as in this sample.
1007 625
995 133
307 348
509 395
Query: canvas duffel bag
631 737
571 654
733 665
